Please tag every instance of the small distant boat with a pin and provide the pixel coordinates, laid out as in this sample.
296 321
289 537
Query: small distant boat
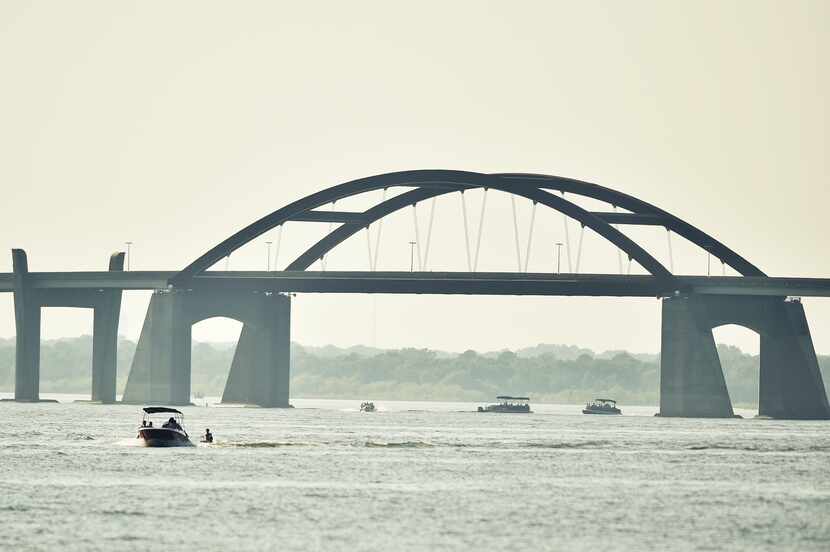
507 404
367 407
601 406
157 429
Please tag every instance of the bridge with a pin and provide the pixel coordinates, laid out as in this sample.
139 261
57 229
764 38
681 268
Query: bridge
439 283
691 382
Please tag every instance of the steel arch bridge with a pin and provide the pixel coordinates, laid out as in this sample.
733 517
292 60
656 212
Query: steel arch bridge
691 378
427 184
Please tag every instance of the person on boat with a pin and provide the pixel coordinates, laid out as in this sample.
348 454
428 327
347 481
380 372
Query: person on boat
143 423
172 424
208 436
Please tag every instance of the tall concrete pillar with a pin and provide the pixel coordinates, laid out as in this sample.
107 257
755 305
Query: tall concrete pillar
691 379
27 324
790 383
261 369
160 371
107 313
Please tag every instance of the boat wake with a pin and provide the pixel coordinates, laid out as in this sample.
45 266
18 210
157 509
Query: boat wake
79 437
402 444
760 448
130 443
580 445
260 444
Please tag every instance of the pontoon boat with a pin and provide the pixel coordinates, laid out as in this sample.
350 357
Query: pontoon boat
506 404
601 406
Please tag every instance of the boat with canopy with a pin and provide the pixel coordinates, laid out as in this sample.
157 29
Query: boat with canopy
508 404
601 406
161 426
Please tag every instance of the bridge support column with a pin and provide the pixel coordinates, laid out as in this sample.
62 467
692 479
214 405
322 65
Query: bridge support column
106 315
261 368
691 379
160 371
790 383
27 339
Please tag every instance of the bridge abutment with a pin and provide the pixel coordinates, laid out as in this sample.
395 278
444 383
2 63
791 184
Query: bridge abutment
161 369
691 377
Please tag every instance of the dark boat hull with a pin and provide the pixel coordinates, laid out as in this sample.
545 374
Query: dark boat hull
163 437
502 410
614 412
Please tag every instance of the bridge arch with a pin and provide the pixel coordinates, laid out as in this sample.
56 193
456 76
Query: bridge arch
431 183
640 207
536 195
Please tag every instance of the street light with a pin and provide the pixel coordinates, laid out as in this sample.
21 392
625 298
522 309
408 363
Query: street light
412 256
268 256
558 256
129 248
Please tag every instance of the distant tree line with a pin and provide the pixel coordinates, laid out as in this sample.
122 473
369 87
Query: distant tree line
547 373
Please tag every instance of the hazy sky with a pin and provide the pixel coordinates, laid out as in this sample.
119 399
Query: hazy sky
173 124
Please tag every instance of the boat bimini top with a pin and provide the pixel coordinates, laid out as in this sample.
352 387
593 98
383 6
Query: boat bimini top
160 409
512 400
151 411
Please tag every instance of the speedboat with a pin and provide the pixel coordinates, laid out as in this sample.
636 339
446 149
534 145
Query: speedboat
507 404
367 407
601 406
162 427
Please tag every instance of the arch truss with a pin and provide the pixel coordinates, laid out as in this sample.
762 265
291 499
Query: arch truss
422 185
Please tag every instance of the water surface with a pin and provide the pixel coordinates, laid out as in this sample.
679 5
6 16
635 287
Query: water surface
412 476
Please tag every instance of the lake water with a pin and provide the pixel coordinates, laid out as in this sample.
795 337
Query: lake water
412 476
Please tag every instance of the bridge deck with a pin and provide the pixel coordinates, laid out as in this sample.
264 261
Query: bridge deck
471 283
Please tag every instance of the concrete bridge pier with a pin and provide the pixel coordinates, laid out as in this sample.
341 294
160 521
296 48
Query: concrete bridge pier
790 383
261 366
106 316
28 301
27 331
161 369
691 377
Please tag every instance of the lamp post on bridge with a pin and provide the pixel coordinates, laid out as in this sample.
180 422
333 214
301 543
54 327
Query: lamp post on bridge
268 256
412 256
129 250
558 257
